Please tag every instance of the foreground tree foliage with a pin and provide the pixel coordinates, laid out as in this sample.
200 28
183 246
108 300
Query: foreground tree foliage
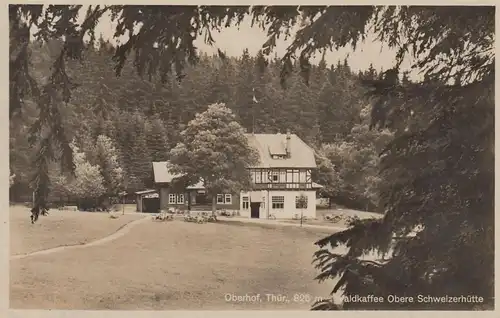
437 173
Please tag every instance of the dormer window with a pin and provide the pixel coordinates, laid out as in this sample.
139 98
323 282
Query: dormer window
277 150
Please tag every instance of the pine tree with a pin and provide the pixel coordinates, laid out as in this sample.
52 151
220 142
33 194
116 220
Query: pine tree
298 107
242 103
156 137
221 81
265 96
328 109
371 73
138 159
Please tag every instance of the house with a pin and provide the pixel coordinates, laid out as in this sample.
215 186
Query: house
192 198
282 175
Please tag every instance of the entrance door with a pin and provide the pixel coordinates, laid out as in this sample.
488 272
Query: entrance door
254 210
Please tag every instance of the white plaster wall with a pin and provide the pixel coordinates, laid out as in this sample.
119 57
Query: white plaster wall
263 206
244 212
289 209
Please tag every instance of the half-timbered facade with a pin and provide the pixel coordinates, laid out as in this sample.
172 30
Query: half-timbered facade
281 178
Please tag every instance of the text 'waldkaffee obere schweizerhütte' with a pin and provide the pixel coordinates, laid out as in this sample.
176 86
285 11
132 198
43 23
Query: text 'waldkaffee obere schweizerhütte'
445 299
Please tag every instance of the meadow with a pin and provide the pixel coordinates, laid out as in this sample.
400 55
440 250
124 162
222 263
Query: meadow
160 265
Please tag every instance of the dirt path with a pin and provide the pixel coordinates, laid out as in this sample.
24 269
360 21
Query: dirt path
117 234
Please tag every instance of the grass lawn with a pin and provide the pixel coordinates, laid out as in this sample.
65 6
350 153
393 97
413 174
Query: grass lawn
164 265
60 228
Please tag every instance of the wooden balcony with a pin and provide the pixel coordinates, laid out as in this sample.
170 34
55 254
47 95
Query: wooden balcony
281 186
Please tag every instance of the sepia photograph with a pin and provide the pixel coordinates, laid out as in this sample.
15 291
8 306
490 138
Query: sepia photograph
210 157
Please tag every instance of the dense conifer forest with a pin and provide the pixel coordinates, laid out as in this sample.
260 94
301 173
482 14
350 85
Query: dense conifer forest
143 119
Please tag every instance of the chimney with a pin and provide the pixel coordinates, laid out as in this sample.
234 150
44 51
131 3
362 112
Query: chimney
287 146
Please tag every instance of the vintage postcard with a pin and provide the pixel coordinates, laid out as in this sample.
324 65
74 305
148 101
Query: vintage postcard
251 157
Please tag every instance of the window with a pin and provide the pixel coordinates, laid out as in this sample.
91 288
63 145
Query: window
224 198
278 202
258 176
220 199
274 176
282 176
302 177
301 205
175 198
172 198
246 203
180 199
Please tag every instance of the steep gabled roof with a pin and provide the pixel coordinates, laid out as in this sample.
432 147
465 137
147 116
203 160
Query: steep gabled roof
301 155
161 174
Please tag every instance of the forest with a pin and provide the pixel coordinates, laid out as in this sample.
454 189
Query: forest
127 122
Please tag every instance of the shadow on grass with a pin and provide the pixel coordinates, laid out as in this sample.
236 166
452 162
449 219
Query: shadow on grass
323 229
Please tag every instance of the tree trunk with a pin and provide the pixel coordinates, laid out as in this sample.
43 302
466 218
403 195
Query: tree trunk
214 204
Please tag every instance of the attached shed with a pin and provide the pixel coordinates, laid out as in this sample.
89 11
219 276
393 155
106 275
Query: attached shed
148 201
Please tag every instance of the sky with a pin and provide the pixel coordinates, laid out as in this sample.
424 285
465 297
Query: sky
234 40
